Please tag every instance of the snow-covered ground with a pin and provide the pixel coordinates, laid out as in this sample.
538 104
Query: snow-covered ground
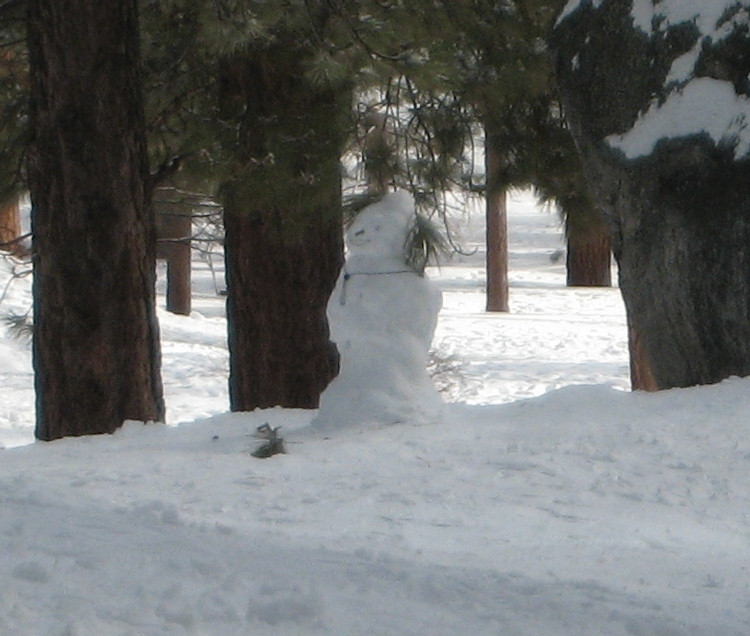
546 502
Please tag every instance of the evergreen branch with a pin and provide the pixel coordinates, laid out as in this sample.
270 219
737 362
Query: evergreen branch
12 43
160 117
366 46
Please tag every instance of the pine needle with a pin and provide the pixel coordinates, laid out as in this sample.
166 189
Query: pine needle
424 244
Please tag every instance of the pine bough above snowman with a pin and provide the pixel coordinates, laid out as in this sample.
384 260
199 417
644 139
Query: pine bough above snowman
383 313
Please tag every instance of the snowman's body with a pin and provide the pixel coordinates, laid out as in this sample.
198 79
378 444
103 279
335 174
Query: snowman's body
383 317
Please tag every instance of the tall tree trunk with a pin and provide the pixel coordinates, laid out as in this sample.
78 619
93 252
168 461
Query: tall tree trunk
679 208
283 222
173 231
96 342
179 270
497 227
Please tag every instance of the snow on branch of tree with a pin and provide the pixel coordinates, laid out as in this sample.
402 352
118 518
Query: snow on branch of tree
695 101
704 106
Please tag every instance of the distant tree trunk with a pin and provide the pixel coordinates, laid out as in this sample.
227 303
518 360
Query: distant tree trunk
179 295
96 341
10 225
679 209
497 227
589 256
588 261
283 222
173 232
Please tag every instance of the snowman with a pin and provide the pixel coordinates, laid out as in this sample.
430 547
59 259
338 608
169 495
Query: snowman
382 316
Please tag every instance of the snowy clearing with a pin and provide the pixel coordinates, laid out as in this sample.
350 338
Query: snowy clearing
547 501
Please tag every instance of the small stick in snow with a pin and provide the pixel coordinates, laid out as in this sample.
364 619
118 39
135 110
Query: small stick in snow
273 443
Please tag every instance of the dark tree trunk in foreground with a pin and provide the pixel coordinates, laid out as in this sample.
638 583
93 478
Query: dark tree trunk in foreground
497 227
96 347
681 212
283 222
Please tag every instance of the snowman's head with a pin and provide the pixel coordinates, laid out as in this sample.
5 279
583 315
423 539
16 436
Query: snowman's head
380 231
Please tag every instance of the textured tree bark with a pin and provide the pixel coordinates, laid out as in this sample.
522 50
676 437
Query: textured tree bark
280 353
681 214
96 342
496 228
589 257
283 222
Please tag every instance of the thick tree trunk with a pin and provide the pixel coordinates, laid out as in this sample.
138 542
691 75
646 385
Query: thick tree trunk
283 221
496 229
589 257
280 353
681 212
96 344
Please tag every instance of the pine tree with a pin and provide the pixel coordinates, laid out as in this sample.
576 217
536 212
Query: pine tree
679 206
529 143
554 169
485 65
505 66
283 103
96 348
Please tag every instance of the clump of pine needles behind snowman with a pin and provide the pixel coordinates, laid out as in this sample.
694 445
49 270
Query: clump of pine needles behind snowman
424 244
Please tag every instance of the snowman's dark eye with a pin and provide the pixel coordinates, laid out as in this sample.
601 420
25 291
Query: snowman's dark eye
359 233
